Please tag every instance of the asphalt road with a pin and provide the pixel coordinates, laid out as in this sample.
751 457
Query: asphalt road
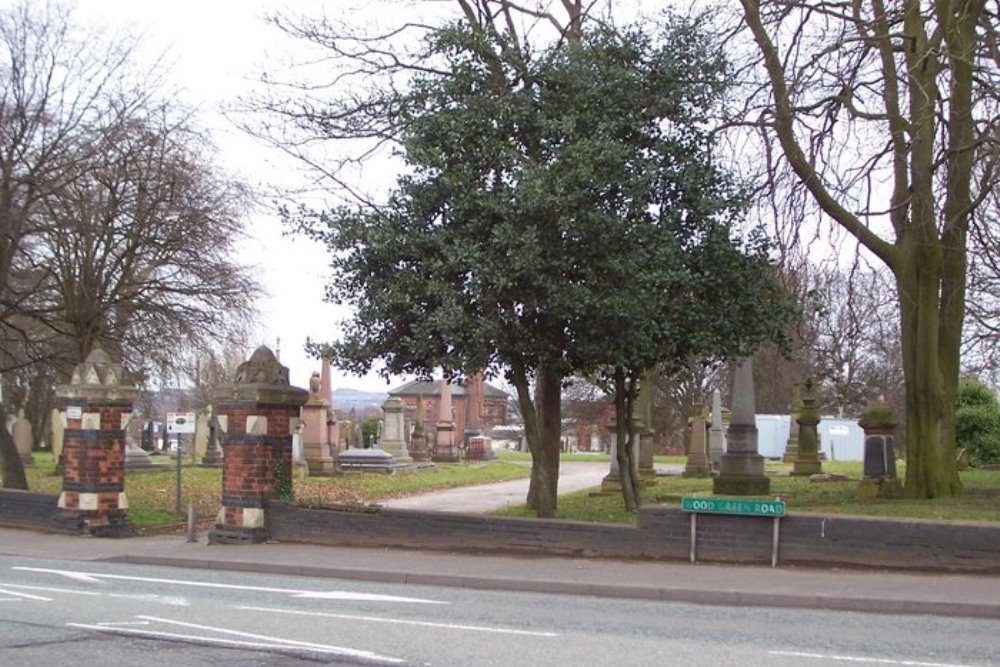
105 615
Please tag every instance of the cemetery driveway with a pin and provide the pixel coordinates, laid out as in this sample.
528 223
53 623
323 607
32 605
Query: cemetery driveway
573 476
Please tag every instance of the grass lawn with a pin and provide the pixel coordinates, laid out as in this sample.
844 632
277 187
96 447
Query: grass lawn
152 494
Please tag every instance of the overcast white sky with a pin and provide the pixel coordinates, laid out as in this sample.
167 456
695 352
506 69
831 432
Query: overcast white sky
215 48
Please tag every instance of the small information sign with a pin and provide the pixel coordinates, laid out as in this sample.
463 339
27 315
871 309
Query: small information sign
740 506
74 412
180 422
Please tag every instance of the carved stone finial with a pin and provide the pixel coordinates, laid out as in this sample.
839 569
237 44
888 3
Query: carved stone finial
262 368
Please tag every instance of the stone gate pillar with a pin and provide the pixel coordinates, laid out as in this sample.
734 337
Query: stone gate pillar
97 404
257 414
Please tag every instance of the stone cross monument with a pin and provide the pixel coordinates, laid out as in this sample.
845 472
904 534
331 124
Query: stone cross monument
807 458
741 468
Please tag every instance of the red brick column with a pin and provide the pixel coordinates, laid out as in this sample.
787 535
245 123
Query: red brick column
98 406
257 413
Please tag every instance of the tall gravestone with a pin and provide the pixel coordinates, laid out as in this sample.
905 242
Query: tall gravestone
645 432
419 449
698 464
97 404
807 457
257 414
393 438
478 446
794 411
741 468
445 445
716 434
316 430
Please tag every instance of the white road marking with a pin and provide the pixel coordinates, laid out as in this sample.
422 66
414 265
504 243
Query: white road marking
377 619
27 596
105 625
339 595
197 639
340 650
10 599
50 589
870 661
85 577
171 600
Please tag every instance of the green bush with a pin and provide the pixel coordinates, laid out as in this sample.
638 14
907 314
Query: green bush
977 422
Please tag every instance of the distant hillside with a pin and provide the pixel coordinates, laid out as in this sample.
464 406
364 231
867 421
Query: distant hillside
345 399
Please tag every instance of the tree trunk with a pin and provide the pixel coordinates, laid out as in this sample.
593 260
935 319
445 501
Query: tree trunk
628 464
542 429
12 468
545 457
931 470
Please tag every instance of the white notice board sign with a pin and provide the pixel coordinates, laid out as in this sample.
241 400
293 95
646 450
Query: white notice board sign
180 422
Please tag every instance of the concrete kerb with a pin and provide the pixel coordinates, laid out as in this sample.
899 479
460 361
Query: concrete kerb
718 596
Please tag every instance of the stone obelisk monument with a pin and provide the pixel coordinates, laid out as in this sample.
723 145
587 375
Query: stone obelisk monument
741 468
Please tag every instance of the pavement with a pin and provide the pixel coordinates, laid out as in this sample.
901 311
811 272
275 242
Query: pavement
976 596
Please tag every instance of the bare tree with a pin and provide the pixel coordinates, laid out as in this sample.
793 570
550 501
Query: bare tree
118 228
886 118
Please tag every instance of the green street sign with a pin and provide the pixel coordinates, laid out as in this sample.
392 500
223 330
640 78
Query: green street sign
733 506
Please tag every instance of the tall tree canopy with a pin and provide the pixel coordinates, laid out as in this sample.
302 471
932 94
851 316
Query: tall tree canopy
886 115
560 214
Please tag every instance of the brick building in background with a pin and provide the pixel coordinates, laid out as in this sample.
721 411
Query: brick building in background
493 411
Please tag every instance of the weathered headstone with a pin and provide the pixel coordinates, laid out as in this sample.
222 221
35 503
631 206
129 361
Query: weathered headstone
98 404
257 413
213 451
445 446
879 424
807 459
612 482
741 468
200 436
57 425
20 431
698 464
135 457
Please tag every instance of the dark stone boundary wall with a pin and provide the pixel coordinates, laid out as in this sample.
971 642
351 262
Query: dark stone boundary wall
30 509
663 534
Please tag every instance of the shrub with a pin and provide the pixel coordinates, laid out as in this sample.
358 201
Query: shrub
977 422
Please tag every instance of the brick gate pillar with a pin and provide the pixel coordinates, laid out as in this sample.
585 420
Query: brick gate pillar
258 414
97 404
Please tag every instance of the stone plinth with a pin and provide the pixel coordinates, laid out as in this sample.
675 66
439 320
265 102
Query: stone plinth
373 459
315 447
97 404
741 468
257 414
806 460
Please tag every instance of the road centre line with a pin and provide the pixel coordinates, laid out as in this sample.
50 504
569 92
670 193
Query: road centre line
340 650
51 589
28 596
870 661
336 595
197 639
377 619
